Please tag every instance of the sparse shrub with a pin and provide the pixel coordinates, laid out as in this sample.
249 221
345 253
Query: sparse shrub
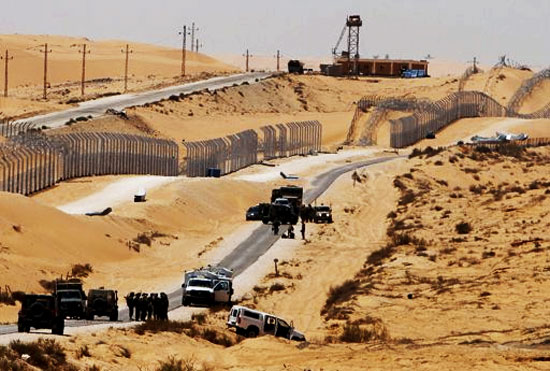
438 163
46 354
143 238
391 215
276 287
340 294
354 333
123 351
200 318
81 270
407 198
377 256
83 351
173 364
477 189
47 285
463 228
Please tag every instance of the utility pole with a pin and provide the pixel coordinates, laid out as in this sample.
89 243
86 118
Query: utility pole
46 51
247 55
197 45
83 80
183 46
193 29
7 58
278 60
127 51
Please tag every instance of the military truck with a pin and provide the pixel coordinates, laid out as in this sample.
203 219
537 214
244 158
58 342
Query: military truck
102 302
40 312
285 206
71 298
207 286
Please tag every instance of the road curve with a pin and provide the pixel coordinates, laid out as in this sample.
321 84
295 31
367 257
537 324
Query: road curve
98 107
251 249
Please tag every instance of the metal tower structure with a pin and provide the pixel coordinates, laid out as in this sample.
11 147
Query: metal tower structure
353 24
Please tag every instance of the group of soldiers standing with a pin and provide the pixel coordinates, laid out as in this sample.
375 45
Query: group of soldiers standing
147 306
307 213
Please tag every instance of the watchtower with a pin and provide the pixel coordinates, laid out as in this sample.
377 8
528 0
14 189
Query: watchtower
353 24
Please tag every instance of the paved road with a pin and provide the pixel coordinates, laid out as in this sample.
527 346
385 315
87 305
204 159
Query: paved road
98 107
251 249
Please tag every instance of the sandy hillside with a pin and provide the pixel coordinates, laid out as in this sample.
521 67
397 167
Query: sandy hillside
402 278
539 98
500 83
41 243
275 100
149 66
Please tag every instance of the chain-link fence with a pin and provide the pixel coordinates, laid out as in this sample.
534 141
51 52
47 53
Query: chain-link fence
33 161
237 151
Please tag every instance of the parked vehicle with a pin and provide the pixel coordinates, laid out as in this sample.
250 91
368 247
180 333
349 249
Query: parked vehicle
252 323
323 213
254 212
285 205
71 298
207 286
295 66
102 302
40 312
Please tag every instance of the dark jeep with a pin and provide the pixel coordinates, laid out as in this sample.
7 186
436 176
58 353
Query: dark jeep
40 311
103 302
323 213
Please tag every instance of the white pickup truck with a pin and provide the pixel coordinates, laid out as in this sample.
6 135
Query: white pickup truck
252 323
207 286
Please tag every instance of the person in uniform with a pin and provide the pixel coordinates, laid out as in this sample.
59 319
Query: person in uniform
130 303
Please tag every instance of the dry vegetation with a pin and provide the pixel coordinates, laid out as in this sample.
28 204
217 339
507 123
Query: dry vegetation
467 253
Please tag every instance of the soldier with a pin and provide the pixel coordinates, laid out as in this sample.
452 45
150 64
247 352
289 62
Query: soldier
303 230
137 305
130 304
157 307
143 306
276 225
309 212
150 307
164 303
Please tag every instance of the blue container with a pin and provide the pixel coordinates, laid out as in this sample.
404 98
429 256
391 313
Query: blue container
213 172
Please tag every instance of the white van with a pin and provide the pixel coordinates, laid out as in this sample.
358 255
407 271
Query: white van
251 323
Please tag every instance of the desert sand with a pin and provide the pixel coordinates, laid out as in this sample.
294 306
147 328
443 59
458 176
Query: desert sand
476 299
149 66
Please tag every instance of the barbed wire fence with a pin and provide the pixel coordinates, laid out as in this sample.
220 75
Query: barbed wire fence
234 152
33 161
527 88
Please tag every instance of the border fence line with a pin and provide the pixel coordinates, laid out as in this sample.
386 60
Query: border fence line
34 161
408 130
236 151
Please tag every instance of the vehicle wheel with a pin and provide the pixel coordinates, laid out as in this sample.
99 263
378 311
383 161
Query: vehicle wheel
90 317
330 221
240 331
251 332
114 316
185 302
21 327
